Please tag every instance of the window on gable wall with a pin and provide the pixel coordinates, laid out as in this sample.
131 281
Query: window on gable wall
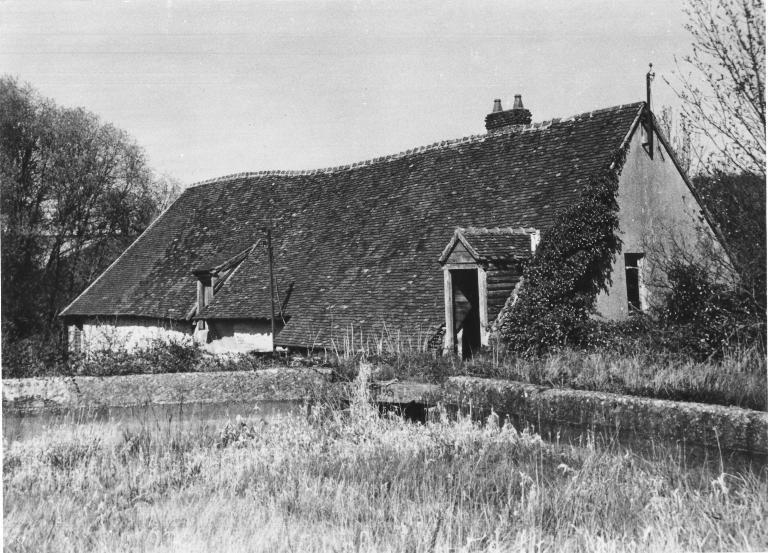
647 139
633 265
76 338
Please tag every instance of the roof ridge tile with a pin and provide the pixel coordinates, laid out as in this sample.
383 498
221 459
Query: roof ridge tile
439 145
496 230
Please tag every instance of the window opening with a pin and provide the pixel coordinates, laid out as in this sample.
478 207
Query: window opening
77 338
633 263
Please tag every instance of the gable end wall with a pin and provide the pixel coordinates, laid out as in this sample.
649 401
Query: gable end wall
655 205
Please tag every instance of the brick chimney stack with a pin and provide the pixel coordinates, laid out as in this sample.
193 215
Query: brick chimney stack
499 118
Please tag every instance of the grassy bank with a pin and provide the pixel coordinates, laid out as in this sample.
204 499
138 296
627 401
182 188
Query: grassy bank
736 378
356 482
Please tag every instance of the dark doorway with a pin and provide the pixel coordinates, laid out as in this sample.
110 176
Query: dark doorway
466 311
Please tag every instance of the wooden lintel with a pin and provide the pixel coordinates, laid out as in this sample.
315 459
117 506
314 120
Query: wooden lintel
458 266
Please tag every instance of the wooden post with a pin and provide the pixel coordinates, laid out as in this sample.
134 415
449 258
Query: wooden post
271 287
448 342
64 341
200 302
482 294
648 78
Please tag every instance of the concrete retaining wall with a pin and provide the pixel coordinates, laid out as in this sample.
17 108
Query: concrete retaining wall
733 428
283 384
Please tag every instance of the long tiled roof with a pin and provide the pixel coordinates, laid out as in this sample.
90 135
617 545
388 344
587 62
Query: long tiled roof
356 246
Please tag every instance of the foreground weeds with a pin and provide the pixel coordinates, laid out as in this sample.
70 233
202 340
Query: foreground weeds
354 481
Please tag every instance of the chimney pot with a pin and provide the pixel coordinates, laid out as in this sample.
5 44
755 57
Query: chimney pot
499 118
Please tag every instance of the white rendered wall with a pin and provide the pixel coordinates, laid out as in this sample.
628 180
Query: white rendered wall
133 333
655 207
232 336
128 333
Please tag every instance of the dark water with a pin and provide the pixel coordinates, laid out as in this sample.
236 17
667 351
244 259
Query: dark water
23 425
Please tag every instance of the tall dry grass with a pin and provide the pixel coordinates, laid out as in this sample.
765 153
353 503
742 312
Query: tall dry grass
354 481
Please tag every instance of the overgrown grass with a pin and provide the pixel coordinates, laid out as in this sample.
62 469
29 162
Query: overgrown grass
353 481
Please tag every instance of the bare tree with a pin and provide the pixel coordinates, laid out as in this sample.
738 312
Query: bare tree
675 129
722 82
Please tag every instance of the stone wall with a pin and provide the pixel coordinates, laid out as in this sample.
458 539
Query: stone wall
711 426
283 384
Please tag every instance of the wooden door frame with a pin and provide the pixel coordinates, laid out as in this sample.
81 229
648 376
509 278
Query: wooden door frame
449 341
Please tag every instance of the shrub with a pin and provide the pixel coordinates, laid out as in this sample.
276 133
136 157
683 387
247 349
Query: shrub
704 318
160 356
36 355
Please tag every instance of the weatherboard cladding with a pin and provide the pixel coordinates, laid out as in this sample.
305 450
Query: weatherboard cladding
356 248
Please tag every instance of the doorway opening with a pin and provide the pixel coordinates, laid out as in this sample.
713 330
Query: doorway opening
466 311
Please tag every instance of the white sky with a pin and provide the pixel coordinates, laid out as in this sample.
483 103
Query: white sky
212 88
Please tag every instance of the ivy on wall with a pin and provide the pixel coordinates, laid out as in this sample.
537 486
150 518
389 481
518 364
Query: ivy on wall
570 267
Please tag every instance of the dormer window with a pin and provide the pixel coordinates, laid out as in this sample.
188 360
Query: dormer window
210 278
205 284
206 281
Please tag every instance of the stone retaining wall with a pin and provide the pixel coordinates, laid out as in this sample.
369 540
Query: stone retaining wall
712 426
280 384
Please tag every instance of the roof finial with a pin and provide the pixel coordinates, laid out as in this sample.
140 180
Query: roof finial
648 78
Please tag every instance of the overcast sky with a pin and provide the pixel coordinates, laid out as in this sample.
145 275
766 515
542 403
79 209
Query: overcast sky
213 88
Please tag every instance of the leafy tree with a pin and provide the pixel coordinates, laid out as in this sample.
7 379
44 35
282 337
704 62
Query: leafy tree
737 205
75 191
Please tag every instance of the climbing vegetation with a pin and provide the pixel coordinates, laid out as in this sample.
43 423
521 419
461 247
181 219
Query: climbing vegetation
571 266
